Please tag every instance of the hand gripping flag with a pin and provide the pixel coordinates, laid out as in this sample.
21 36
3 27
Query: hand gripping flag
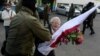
65 29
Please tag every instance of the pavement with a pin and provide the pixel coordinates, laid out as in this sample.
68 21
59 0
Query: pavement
90 46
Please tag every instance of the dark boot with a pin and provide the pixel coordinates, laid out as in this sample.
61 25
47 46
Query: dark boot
92 33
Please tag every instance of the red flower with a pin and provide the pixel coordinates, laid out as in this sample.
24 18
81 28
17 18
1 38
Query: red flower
79 39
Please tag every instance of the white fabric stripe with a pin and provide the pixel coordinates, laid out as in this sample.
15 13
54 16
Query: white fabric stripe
45 48
73 22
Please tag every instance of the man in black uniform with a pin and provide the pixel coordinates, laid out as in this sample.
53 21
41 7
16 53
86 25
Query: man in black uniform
89 21
71 12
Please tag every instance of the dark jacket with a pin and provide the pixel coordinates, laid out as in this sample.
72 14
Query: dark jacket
23 30
71 12
92 15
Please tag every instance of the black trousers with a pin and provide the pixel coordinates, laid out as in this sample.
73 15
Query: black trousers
88 24
46 21
6 31
70 17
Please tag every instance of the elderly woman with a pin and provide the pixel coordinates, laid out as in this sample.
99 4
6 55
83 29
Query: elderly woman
55 24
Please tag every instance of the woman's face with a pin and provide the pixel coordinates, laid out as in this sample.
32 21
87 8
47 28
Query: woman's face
7 7
55 25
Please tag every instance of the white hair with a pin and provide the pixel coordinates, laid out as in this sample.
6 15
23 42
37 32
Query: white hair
55 19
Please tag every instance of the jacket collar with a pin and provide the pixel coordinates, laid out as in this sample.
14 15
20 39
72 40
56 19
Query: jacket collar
27 10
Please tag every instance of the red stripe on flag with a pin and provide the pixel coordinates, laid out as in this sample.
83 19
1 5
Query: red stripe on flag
65 33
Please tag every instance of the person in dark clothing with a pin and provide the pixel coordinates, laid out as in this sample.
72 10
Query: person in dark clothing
89 21
46 15
71 12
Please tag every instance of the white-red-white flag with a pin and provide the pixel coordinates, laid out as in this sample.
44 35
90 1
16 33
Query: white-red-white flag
65 29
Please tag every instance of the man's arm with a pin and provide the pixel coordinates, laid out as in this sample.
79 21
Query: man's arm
39 30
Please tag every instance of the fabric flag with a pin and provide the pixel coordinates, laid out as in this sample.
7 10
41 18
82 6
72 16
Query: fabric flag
64 30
